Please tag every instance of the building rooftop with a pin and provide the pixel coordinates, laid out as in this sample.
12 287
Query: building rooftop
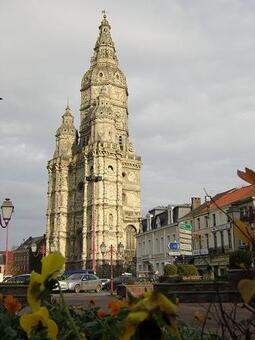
223 199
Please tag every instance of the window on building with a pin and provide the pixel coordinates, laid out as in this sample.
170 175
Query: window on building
143 249
168 239
214 219
157 246
149 247
215 239
162 244
229 239
222 238
206 221
198 223
207 240
110 221
130 238
139 249
174 239
200 241
243 212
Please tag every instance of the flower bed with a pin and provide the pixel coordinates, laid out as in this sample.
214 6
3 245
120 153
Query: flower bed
149 316
134 289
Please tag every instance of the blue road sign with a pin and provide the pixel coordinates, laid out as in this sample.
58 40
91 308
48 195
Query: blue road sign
173 246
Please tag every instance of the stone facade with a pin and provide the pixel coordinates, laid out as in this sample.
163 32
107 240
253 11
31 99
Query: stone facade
161 227
213 232
101 150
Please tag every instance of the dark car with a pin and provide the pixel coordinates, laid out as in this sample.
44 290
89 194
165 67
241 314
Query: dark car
118 281
19 279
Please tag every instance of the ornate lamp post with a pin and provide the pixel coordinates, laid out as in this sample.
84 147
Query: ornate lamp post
41 250
7 210
111 250
93 179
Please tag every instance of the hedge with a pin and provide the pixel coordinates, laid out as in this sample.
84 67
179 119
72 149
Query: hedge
170 269
187 270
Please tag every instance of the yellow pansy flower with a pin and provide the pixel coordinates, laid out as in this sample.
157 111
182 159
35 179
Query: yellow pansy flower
30 322
51 266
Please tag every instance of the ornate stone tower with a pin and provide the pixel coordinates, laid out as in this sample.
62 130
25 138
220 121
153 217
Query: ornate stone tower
94 176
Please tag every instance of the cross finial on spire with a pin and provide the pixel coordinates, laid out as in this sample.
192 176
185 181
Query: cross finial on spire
67 106
104 13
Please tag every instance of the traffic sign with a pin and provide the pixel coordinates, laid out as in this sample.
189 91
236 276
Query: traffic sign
173 246
185 226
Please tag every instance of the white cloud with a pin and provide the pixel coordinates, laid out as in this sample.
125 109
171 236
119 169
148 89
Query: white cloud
191 77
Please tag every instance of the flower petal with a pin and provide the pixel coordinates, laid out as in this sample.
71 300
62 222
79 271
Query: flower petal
247 289
51 265
129 331
43 313
137 317
28 322
52 329
34 291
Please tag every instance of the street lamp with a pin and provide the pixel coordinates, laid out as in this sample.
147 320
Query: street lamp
52 248
111 250
94 180
7 209
40 251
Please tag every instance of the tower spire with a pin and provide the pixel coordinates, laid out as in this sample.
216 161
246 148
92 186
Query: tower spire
104 50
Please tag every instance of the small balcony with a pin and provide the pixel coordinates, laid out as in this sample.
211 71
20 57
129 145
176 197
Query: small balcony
220 250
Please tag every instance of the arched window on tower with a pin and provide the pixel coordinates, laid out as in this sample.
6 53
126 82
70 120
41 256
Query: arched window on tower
110 221
121 142
130 238
79 243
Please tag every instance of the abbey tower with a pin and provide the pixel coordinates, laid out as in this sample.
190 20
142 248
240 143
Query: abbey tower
94 175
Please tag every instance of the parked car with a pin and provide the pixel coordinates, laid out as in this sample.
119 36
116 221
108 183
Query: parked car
80 271
118 281
104 282
20 279
62 279
6 278
81 282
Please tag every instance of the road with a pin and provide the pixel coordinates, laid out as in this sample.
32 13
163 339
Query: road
186 311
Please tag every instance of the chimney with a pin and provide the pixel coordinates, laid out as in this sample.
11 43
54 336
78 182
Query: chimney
195 202
148 218
170 214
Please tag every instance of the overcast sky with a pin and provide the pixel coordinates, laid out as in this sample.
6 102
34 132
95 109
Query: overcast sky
191 79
